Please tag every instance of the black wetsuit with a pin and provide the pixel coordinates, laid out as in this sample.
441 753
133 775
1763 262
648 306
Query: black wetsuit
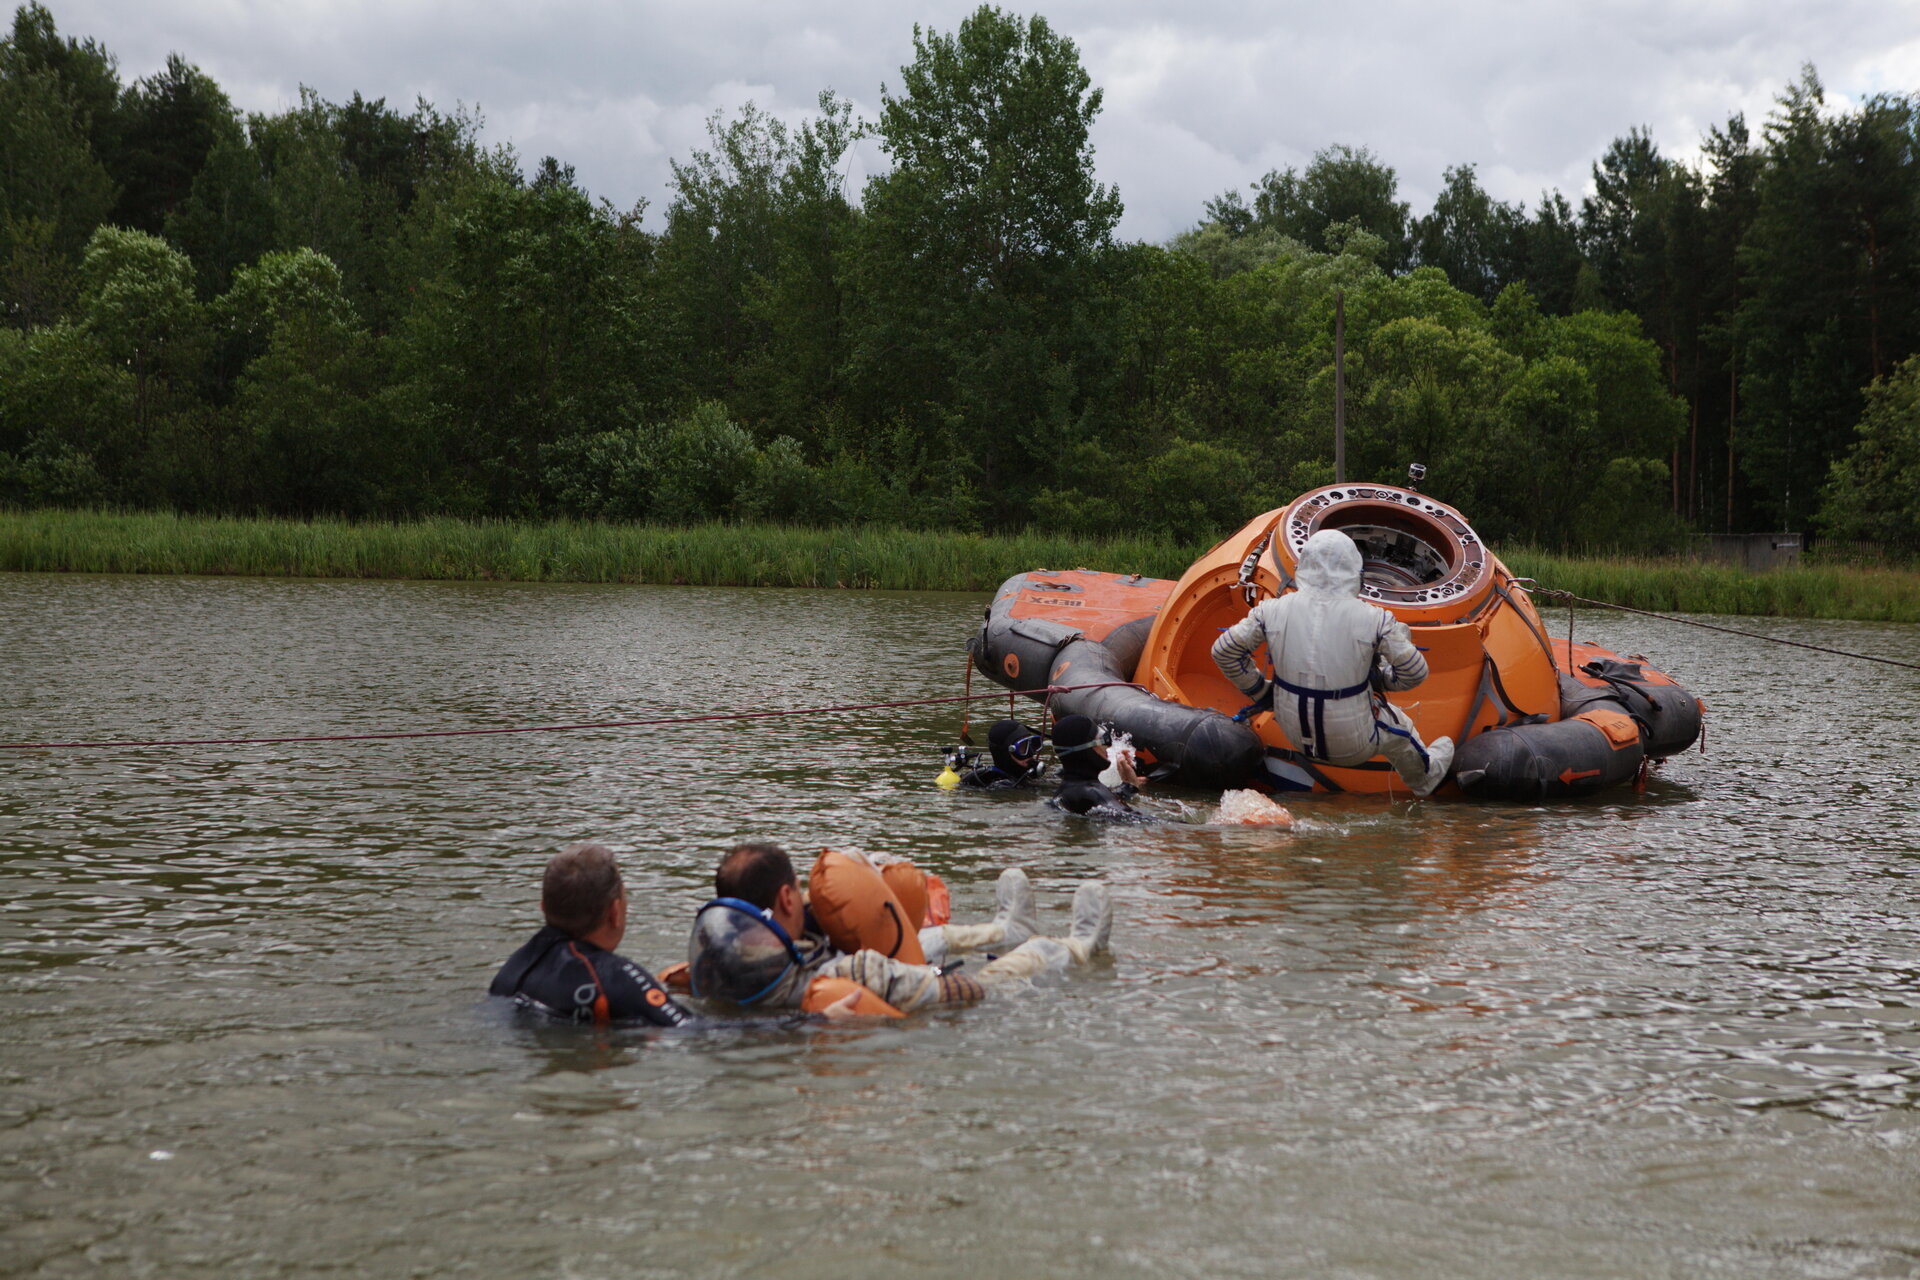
991 777
1078 795
1005 771
1081 790
563 977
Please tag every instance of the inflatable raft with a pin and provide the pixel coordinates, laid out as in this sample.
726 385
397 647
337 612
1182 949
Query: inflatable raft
1533 717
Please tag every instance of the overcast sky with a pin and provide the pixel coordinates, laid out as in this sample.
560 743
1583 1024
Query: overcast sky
1200 97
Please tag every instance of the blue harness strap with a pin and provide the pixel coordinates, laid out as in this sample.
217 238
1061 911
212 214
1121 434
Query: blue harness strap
1414 738
1313 722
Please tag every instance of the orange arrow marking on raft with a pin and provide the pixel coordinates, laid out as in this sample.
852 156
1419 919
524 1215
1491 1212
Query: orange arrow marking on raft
1570 777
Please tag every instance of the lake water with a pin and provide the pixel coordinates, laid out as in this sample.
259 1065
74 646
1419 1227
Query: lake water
242 1030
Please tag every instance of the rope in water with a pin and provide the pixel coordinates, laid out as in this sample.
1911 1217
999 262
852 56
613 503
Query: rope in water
1047 691
1567 597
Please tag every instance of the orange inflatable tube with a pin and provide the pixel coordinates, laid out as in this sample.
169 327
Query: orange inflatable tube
939 901
820 993
923 894
853 903
909 885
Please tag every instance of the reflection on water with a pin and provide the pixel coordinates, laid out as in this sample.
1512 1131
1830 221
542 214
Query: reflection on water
1669 1034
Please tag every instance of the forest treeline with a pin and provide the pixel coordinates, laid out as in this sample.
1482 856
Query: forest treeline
356 309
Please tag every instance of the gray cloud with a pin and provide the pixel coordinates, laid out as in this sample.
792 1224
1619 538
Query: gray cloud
1198 98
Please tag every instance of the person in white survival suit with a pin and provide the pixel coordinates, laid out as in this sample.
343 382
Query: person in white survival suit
754 944
1327 644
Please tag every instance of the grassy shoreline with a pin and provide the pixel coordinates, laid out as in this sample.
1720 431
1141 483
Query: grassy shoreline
779 556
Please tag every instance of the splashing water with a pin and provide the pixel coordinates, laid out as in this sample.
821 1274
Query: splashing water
1251 809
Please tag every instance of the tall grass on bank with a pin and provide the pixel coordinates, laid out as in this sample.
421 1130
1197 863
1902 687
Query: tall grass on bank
557 551
779 556
1690 586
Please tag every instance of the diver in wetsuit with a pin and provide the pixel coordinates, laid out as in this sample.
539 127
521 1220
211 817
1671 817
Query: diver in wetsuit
569 970
1082 759
1015 748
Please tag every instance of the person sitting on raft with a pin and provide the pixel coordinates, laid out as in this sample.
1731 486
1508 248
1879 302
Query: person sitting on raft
1015 748
1329 648
1082 759
756 943
570 970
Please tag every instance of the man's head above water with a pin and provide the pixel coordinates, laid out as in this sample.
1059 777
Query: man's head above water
583 896
762 875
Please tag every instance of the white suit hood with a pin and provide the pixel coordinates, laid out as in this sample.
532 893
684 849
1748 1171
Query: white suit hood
1330 563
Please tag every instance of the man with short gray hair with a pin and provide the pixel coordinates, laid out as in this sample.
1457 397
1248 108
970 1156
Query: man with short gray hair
569 969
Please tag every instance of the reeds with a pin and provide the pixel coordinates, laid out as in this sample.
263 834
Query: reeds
779 556
1691 586
556 551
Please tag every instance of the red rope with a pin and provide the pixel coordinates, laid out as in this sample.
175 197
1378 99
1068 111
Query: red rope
966 713
1049 691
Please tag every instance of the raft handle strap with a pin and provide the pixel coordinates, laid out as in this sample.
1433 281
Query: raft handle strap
1249 588
1546 645
899 929
1491 684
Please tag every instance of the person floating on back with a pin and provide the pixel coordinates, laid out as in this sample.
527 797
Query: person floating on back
756 944
1329 649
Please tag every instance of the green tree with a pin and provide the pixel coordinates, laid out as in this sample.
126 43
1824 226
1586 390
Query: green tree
65 415
1646 231
531 324
227 218
1635 415
53 189
719 249
977 258
1477 240
88 76
169 123
136 301
1620 222
705 458
1873 493
1228 253
304 405
1342 184
345 180
1193 491
794 382
1829 272
1435 392
1557 273
1731 182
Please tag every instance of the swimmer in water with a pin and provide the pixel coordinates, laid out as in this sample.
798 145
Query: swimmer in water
569 970
1015 748
771 956
1082 758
